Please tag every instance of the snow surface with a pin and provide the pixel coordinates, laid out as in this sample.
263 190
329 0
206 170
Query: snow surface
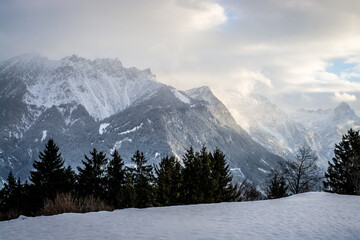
103 127
304 216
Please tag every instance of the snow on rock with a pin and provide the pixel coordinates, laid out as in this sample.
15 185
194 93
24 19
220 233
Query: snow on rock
103 127
131 130
263 170
181 96
44 133
263 161
117 145
237 171
103 86
304 216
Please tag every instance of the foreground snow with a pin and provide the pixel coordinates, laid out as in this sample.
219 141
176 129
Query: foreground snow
304 216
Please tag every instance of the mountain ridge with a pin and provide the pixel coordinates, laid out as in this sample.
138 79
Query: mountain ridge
158 119
283 133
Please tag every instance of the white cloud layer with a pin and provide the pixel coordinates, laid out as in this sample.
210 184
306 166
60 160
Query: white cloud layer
282 49
344 97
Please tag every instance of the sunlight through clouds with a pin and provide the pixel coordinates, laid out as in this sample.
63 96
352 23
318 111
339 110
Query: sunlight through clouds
343 97
275 48
212 15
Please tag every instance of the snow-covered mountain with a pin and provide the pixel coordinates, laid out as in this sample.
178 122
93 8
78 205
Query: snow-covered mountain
330 124
84 104
283 133
103 86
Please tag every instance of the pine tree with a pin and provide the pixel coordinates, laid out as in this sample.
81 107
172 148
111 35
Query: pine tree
11 196
91 178
223 191
206 182
128 194
277 187
50 176
11 193
191 178
168 181
142 181
116 181
343 175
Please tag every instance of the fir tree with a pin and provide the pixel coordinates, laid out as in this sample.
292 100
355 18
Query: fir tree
50 176
91 178
143 178
116 181
168 181
11 196
11 193
206 182
128 196
191 178
220 173
343 175
277 187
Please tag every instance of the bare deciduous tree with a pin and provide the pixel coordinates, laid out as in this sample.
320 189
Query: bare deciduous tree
247 191
302 175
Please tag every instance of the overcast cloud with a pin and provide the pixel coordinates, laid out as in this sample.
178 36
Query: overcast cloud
298 53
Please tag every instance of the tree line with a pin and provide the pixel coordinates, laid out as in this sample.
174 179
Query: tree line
103 183
303 175
204 177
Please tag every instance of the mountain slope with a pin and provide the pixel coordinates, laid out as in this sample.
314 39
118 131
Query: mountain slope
330 124
103 86
84 104
283 133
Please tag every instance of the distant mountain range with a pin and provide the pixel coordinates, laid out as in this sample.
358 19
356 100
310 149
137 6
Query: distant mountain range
83 104
283 133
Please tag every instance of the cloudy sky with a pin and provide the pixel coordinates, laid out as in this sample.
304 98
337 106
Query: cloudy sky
298 53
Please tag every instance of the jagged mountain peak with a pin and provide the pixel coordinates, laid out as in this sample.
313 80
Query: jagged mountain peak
202 89
78 61
73 58
202 93
27 63
103 86
344 113
343 108
26 57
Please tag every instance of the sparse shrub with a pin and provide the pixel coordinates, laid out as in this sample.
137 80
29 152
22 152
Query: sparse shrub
276 186
63 203
66 203
9 214
93 204
247 192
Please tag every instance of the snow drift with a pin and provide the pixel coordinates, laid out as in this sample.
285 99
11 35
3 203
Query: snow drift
304 216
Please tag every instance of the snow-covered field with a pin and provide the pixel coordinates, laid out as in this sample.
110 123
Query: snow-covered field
304 216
